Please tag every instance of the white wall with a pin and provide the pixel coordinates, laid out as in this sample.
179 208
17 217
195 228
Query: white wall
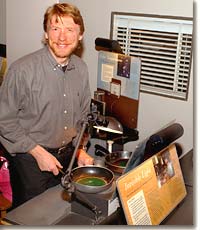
154 111
24 31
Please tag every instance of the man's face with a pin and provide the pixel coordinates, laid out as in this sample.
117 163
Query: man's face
63 36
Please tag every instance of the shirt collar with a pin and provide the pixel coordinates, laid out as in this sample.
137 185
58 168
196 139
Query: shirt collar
55 64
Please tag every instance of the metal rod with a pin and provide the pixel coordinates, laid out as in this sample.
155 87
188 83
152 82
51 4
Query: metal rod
77 146
66 178
61 171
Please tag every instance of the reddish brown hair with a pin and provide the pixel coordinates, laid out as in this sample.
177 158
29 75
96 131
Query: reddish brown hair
61 10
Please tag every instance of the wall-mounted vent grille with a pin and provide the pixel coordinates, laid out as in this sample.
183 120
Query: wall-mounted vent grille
164 46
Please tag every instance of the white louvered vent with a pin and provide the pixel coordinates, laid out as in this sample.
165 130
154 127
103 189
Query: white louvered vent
164 46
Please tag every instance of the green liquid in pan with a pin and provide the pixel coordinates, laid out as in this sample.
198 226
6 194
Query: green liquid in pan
121 162
91 181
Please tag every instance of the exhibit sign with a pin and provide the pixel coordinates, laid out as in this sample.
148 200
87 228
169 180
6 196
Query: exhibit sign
149 192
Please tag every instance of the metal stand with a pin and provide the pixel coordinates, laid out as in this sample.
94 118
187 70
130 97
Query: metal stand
67 183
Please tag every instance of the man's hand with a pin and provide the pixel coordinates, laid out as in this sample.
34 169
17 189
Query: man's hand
45 160
84 158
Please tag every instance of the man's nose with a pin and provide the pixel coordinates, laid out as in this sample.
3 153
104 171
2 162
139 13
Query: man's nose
62 34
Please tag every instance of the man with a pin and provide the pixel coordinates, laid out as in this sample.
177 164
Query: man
43 100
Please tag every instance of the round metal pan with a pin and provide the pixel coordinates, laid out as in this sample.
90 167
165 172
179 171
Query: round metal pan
115 161
96 173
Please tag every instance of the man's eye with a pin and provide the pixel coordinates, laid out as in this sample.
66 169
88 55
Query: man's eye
55 28
70 30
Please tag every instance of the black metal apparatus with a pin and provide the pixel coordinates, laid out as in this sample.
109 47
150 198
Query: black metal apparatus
70 179
122 135
108 44
67 179
162 139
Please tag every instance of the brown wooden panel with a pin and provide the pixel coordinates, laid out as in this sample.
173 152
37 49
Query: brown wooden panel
122 108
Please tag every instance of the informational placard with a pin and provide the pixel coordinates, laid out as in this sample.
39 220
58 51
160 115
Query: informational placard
150 191
119 79
125 69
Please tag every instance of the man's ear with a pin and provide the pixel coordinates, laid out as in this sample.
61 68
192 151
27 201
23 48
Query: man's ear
46 36
80 37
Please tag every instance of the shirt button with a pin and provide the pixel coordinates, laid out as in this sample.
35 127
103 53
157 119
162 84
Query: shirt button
65 128
65 111
54 69
64 95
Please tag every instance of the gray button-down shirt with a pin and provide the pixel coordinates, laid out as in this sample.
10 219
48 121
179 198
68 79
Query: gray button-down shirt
40 104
